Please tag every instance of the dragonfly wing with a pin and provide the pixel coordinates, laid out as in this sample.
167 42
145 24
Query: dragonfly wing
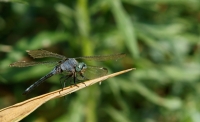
44 53
103 58
66 78
66 73
26 64
93 72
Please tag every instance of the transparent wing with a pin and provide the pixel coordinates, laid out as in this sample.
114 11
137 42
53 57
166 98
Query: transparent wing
66 78
43 54
65 73
26 64
103 58
93 72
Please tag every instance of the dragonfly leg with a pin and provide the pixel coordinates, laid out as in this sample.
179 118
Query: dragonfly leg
84 78
61 81
64 79
74 78
81 74
72 75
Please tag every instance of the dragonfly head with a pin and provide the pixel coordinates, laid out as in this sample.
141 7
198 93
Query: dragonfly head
81 66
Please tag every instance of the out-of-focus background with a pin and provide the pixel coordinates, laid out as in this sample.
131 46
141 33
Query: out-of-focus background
160 37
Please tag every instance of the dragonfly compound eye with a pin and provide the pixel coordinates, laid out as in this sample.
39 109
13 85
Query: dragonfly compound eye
81 66
84 66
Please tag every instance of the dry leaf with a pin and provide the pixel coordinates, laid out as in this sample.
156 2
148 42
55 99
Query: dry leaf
20 110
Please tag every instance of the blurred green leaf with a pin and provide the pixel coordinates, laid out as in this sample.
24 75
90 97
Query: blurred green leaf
125 26
160 38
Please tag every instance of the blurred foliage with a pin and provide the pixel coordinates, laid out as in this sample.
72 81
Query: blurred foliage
160 37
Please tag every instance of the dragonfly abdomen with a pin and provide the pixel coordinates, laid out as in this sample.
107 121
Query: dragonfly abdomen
37 83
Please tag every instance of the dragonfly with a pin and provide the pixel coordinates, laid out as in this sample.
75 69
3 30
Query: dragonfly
71 68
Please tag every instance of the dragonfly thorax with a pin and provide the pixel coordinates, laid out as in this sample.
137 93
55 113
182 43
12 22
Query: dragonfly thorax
81 66
69 65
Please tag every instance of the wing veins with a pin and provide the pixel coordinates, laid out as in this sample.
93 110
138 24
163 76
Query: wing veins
44 53
94 72
33 63
103 58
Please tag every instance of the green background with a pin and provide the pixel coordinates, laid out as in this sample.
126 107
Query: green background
160 37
